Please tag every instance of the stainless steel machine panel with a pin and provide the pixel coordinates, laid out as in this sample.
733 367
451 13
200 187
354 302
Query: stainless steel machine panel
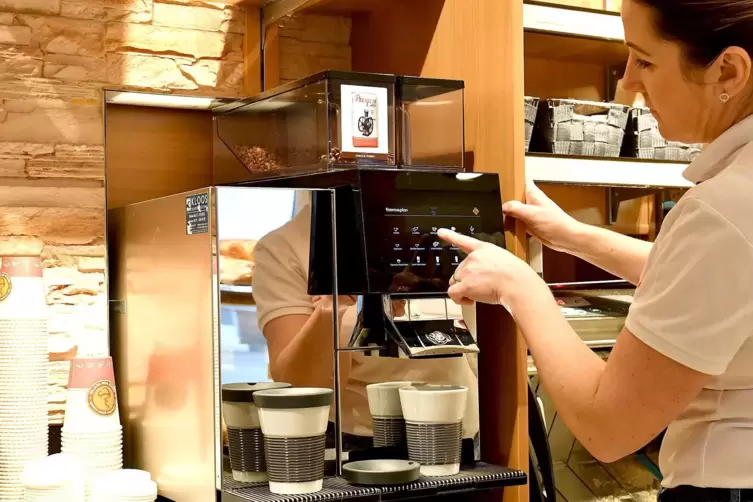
162 280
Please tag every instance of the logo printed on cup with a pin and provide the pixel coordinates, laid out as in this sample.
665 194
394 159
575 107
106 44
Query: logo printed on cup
6 286
102 398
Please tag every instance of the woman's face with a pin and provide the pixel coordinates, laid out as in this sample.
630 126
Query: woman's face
683 98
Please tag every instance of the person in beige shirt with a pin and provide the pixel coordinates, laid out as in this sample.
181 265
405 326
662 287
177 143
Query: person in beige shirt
298 331
684 360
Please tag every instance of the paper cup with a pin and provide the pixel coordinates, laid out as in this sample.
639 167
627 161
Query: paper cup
294 422
91 404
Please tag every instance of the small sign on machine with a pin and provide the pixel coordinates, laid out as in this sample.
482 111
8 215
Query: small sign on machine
197 214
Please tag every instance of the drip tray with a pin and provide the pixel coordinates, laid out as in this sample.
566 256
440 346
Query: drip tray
479 477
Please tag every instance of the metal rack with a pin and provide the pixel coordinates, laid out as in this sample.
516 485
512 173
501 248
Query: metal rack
478 477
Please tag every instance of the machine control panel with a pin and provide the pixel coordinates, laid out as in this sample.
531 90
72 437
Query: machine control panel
402 213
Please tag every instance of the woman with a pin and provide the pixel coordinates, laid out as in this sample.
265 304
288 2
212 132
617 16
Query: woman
684 361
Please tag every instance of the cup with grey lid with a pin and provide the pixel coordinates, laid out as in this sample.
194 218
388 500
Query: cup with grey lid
245 440
434 426
294 423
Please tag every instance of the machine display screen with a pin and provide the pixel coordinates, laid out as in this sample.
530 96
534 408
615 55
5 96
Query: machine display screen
402 212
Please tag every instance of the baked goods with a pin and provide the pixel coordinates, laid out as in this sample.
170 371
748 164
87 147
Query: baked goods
238 249
236 272
237 262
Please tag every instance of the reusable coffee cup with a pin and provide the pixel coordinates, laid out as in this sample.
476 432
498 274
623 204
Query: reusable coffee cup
386 411
434 426
245 440
294 423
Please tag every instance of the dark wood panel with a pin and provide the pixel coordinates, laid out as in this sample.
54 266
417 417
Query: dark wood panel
153 152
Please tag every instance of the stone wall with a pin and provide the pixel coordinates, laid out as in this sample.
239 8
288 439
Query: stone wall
55 58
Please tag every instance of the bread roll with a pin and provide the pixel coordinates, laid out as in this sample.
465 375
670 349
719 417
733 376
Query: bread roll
238 249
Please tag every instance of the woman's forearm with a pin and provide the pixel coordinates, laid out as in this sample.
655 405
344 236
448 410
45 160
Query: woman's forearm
308 360
569 371
618 254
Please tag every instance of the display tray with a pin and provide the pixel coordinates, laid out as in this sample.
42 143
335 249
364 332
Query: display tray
236 289
478 477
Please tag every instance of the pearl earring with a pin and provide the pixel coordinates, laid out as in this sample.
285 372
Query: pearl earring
724 97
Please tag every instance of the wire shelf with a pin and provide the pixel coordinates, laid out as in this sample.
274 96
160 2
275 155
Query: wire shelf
478 477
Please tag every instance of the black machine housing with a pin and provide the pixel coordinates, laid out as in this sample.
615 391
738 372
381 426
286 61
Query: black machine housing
387 247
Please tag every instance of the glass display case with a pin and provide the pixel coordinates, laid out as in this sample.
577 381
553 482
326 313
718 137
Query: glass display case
431 123
341 120
327 119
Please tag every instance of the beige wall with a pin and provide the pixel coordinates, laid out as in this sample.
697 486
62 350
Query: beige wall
311 43
55 57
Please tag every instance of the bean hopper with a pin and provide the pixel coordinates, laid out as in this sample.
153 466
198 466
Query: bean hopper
369 167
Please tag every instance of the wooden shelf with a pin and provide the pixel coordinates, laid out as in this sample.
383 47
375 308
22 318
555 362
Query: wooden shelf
273 11
580 50
605 172
551 19
160 100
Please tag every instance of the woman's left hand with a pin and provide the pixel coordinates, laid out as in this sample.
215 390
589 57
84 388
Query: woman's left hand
490 274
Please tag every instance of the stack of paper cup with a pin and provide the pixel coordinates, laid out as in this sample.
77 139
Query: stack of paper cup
57 478
23 371
126 485
91 431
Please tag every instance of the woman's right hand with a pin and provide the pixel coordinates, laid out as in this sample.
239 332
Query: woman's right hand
545 220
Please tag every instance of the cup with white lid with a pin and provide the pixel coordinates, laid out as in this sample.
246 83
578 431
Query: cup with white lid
386 411
434 426
245 440
294 423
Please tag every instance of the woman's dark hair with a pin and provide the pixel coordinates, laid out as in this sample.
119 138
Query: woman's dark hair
704 27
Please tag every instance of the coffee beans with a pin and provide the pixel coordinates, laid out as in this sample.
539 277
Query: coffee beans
256 159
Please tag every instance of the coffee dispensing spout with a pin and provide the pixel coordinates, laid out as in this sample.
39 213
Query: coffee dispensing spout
399 327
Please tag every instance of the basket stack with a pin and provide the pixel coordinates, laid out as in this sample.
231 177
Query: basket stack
644 141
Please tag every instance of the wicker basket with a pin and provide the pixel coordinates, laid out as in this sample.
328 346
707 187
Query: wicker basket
583 128
644 141
531 109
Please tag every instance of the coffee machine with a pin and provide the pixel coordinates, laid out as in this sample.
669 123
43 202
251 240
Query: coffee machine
344 180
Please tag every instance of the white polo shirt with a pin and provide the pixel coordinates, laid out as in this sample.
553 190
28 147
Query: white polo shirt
695 305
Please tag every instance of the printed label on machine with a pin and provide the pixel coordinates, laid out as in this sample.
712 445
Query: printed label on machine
197 214
365 126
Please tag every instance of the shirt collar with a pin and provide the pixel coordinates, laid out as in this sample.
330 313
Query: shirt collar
712 160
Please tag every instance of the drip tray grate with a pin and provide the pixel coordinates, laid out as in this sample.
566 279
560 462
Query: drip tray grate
478 477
